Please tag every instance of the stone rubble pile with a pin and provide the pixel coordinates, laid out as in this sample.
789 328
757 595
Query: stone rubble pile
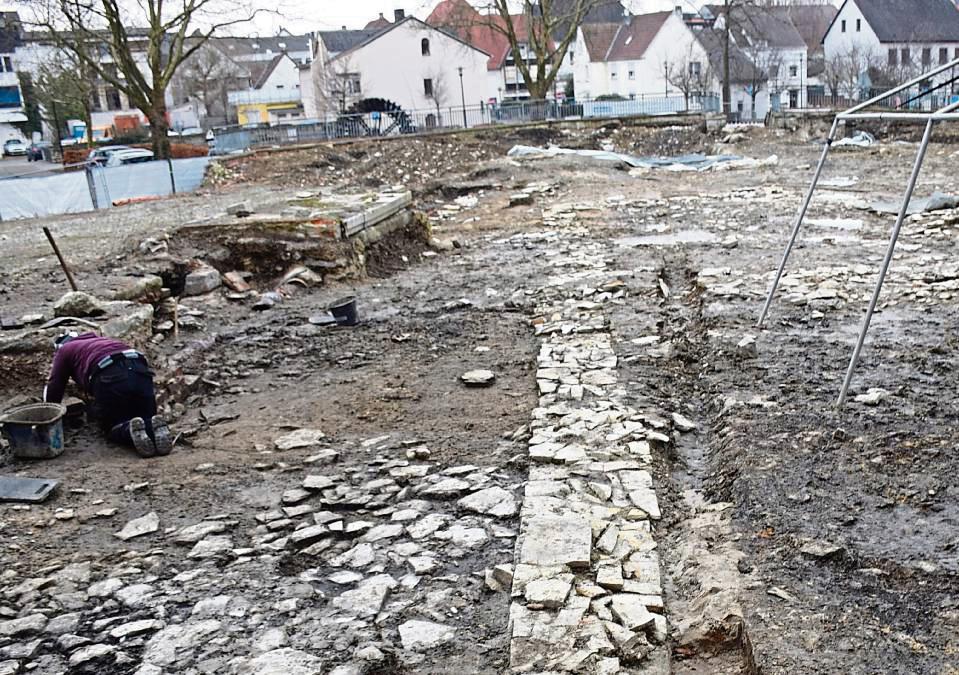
586 589
358 566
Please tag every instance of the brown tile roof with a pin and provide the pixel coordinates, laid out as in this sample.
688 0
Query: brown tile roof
598 38
623 41
631 42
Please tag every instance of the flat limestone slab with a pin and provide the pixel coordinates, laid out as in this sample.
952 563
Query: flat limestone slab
557 540
33 490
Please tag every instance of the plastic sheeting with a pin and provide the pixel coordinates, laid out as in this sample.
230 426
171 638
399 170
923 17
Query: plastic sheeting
681 163
44 196
70 192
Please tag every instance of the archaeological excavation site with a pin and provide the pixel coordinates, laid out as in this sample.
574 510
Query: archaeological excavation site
496 401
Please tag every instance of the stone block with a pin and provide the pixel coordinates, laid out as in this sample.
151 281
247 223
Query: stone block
556 540
201 281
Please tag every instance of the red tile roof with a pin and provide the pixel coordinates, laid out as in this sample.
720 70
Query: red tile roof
485 32
381 22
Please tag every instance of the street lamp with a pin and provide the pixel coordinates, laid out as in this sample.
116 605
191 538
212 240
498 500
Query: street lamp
462 96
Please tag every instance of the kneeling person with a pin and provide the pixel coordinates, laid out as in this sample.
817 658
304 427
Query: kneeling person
120 383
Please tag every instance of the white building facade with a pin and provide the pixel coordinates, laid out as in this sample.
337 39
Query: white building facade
632 58
895 48
409 64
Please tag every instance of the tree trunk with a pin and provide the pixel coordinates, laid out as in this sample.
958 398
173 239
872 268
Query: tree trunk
159 127
88 120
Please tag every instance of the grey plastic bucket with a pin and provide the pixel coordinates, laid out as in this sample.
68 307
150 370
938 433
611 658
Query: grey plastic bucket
34 431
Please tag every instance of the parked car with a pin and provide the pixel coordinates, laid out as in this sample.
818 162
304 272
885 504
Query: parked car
130 156
36 150
14 146
99 156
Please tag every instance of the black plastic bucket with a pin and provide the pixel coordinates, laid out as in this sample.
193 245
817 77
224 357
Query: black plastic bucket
344 311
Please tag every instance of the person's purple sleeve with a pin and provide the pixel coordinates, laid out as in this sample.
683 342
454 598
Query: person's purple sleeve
59 375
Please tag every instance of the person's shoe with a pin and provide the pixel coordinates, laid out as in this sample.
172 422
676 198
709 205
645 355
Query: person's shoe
161 436
142 442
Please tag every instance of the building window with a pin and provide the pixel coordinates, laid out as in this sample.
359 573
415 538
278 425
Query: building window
632 74
613 75
926 56
279 86
943 56
113 100
793 71
858 25
425 47
843 25
893 58
7 65
695 68
428 87
904 57
955 54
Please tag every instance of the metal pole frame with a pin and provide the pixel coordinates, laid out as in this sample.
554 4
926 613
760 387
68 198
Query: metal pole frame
798 224
894 237
946 113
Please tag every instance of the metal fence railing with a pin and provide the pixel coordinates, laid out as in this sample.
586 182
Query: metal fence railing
371 124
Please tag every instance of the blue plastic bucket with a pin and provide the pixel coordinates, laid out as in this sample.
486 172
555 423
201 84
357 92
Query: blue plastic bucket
34 431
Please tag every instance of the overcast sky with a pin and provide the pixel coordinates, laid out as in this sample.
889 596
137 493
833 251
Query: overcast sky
303 16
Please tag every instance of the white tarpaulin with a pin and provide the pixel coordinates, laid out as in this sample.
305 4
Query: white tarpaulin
692 162
70 192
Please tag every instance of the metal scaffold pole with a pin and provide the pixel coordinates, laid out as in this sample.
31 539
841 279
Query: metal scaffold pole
799 219
903 209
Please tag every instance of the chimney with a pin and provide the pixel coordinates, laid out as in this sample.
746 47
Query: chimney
399 15
344 27
679 11
381 16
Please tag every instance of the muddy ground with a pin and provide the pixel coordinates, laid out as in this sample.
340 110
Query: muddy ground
844 523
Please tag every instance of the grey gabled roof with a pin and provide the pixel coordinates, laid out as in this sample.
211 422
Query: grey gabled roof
337 41
911 20
741 67
246 48
753 26
812 22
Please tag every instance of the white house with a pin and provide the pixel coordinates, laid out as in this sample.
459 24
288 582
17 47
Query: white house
748 83
275 95
768 37
409 64
635 57
891 45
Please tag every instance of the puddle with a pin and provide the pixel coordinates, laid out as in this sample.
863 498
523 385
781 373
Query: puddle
673 239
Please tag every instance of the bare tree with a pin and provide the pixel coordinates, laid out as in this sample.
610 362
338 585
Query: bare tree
142 61
438 93
843 72
207 76
739 16
689 74
335 84
538 33
767 69
63 84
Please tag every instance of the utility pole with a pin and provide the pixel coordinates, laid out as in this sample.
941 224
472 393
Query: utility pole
462 96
